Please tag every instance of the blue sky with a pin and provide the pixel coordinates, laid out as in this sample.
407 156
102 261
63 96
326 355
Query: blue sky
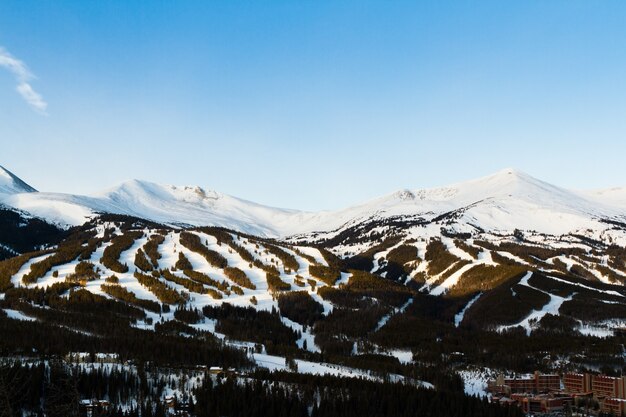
312 104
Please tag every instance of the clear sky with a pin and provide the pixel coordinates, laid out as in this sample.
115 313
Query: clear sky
311 104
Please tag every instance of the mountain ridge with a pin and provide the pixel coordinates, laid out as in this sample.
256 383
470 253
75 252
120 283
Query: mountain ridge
11 184
500 201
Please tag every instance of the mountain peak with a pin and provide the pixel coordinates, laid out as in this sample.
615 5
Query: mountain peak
504 182
11 184
510 174
405 195
142 189
511 171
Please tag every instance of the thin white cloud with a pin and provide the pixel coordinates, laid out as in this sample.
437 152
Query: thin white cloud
22 76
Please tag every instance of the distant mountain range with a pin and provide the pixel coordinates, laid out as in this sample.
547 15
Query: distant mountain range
501 202
507 252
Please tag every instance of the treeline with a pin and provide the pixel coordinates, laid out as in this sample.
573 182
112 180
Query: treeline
486 277
239 277
248 257
397 260
309 258
326 274
534 254
111 254
363 261
35 338
207 280
427 328
85 322
300 307
38 295
188 315
360 305
151 248
94 243
56 390
438 257
183 262
67 251
220 234
11 266
255 326
322 396
190 285
343 327
82 301
164 293
75 314
473 251
175 328
362 287
23 234
275 284
83 271
193 242
289 261
617 257
123 294
385 290
141 261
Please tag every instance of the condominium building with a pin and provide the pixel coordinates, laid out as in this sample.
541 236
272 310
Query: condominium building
614 406
608 386
536 382
577 383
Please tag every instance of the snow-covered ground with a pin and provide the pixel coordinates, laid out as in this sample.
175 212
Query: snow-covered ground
395 311
552 307
504 201
458 318
605 328
278 363
16 279
475 380
274 363
17 315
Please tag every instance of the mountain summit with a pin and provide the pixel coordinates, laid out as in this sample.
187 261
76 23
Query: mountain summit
504 201
11 184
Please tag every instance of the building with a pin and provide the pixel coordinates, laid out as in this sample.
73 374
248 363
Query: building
542 403
547 382
536 382
615 406
502 400
608 386
494 387
577 383
90 406
521 384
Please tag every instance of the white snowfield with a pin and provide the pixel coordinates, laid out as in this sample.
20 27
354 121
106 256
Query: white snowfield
278 363
10 184
504 201
552 307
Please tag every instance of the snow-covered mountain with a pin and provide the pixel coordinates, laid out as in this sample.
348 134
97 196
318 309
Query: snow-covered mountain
10 184
503 202
485 240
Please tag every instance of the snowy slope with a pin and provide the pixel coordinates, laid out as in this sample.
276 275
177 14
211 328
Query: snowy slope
615 197
504 201
10 184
